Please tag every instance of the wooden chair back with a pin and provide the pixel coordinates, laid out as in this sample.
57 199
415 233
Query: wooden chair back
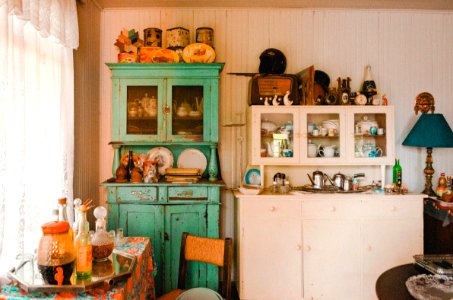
214 251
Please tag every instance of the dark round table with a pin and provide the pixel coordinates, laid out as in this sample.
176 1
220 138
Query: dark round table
391 284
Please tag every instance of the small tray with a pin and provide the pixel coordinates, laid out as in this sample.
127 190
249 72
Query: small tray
436 264
118 267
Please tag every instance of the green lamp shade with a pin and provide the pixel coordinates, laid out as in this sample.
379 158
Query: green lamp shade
432 131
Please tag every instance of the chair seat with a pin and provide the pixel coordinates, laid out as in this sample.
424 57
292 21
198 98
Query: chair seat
199 293
171 295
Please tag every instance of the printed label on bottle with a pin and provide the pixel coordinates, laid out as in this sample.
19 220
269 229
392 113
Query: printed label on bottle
84 258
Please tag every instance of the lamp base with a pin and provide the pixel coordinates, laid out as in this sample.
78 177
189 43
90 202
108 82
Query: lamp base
429 172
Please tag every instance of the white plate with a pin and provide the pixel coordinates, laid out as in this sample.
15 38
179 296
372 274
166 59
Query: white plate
192 158
164 158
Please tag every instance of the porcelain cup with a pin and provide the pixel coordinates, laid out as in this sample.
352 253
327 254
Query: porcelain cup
327 151
312 150
323 131
315 132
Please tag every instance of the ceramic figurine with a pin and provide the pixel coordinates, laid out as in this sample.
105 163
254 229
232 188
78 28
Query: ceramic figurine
275 101
286 99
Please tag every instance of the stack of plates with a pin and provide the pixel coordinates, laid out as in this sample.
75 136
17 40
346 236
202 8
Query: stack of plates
183 175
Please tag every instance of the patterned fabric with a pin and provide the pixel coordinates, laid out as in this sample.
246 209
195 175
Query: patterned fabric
139 286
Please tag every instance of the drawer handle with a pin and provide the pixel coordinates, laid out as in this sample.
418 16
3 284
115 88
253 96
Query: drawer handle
272 208
185 194
333 208
139 193
393 208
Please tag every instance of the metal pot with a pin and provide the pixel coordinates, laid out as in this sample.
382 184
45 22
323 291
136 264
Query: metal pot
338 180
347 184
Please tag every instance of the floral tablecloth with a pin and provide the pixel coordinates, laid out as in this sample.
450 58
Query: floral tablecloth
139 286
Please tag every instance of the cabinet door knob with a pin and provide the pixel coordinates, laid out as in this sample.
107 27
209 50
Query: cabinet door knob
308 248
333 208
299 247
393 208
166 238
272 208
166 109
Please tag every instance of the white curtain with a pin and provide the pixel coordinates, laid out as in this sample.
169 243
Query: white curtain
37 39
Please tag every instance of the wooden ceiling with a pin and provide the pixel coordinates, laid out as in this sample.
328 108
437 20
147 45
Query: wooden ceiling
359 4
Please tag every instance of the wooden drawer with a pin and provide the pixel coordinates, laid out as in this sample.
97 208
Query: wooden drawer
389 208
331 208
124 194
184 193
270 208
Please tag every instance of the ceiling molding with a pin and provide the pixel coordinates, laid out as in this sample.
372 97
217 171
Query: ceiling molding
353 4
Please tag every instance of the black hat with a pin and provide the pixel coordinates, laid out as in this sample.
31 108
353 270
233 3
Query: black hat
323 79
272 61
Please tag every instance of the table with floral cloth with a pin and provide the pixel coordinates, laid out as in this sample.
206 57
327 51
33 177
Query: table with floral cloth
139 286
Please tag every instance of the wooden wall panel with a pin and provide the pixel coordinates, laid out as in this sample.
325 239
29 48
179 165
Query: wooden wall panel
86 104
409 51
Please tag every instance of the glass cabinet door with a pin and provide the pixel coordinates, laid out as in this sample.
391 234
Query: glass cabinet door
189 103
275 136
372 129
139 114
323 134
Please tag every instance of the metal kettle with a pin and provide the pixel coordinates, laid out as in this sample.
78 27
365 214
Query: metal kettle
318 179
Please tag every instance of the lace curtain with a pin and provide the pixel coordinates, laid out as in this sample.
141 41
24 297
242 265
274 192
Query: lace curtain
37 39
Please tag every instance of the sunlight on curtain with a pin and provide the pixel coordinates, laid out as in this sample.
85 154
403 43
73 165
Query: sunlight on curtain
36 132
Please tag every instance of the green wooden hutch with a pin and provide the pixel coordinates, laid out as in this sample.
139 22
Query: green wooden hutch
164 210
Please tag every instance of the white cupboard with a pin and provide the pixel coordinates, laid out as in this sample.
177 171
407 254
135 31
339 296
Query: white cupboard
357 135
323 246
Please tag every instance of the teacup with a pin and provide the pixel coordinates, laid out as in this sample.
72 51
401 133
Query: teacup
315 132
323 131
327 151
369 150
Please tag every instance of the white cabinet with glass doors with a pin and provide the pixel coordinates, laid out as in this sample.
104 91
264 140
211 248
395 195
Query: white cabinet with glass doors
322 135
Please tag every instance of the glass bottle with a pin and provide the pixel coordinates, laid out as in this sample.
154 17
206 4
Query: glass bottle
442 185
63 214
83 248
75 225
368 86
397 173
130 165
102 241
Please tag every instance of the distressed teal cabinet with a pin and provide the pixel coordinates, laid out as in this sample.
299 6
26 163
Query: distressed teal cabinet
174 106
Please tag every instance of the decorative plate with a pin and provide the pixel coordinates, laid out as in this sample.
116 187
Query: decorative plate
198 53
252 177
192 158
164 158
158 55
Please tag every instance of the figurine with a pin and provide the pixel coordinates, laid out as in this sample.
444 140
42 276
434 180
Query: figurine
286 99
275 101
424 102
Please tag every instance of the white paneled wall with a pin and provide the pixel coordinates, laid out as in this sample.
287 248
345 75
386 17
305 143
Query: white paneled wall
409 51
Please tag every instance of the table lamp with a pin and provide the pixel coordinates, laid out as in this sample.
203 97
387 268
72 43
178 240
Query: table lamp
430 131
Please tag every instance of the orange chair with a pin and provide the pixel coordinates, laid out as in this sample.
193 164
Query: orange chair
218 252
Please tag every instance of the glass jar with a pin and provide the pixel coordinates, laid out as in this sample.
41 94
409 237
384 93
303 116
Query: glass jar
56 254
102 241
